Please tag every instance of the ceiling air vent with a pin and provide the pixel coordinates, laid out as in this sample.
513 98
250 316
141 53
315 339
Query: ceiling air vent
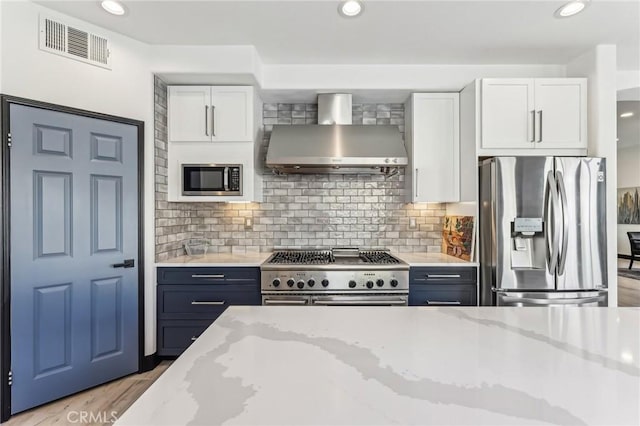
74 43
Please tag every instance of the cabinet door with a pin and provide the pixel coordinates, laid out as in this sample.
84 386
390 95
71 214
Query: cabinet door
507 113
232 113
561 112
436 147
189 113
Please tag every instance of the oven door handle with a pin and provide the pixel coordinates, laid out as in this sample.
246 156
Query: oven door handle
285 302
393 302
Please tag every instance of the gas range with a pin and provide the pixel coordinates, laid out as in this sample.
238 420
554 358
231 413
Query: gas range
372 275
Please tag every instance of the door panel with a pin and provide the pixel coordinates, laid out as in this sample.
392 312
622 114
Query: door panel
563 105
231 114
189 113
74 213
583 242
507 120
521 192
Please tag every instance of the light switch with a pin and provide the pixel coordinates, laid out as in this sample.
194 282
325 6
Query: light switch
412 223
248 222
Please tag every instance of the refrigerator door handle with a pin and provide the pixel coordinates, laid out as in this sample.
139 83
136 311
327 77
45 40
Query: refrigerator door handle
565 223
552 252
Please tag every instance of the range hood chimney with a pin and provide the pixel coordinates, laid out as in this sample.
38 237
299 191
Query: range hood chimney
335 145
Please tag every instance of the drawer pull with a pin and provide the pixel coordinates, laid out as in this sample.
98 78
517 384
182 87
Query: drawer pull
445 302
194 338
443 275
213 302
207 276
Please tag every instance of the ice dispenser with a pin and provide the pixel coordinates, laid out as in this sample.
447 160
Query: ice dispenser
527 243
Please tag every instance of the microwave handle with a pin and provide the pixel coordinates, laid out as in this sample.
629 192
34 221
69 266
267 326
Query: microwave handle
226 178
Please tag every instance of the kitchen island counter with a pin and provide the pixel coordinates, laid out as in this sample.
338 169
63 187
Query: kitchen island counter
260 365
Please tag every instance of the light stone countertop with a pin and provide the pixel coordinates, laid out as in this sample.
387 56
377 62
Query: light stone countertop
261 365
255 259
432 259
218 259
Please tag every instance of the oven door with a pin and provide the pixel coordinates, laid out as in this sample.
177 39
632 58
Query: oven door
286 300
360 300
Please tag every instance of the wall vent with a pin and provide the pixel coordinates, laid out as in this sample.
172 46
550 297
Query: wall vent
74 43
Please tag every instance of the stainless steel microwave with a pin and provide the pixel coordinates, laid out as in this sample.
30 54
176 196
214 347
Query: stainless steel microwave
211 179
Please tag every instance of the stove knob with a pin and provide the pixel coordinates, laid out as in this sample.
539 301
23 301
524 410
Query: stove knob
380 283
311 282
276 282
369 284
325 283
291 282
300 284
352 284
394 283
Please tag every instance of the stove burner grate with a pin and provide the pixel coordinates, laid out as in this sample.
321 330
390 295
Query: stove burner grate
378 257
303 257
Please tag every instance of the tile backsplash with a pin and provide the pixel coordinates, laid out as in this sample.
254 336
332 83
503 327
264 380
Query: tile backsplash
299 211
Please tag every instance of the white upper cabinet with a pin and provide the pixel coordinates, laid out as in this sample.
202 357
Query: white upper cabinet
433 144
210 114
188 113
561 108
532 113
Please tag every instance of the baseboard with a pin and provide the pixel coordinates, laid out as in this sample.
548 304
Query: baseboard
149 362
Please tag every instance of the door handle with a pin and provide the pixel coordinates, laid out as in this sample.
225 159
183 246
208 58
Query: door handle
128 263
442 302
416 182
442 275
539 126
533 126
213 302
206 120
565 222
213 120
194 338
552 252
285 302
207 276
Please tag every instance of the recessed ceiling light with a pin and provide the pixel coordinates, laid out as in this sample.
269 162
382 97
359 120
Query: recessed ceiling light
571 8
351 8
113 7
626 114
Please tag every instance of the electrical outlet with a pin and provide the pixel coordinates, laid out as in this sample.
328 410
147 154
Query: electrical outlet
248 222
412 223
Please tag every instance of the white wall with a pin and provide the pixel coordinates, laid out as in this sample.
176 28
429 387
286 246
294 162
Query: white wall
628 177
126 90
599 66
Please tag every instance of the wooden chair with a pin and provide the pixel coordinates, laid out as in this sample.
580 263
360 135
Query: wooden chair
634 242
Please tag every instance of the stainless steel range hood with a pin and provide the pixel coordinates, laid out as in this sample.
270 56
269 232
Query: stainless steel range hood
336 146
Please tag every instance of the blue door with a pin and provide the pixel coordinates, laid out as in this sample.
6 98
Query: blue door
74 215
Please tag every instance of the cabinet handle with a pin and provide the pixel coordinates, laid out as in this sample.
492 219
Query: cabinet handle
194 338
214 302
206 120
540 126
416 182
213 120
207 276
533 126
455 302
442 275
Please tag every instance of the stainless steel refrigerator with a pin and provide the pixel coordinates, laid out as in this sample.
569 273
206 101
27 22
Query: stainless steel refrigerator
542 231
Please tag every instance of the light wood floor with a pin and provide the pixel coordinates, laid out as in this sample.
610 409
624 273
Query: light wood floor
101 401
628 288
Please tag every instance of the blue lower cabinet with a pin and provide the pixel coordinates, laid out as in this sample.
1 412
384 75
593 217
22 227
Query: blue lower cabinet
443 286
176 336
186 309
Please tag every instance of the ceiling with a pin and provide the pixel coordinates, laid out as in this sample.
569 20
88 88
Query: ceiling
629 127
388 32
